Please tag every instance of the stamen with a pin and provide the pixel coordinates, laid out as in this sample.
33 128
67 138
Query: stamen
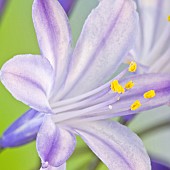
132 66
135 105
129 85
168 18
116 87
149 94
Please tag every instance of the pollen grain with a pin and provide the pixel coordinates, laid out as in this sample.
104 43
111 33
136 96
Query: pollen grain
129 85
132 66
116 87
149 94
135 105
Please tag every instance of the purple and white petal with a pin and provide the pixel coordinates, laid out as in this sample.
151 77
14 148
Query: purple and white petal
29 79
23 130
53 34
116 145
161 64
154 30
54 144
107 36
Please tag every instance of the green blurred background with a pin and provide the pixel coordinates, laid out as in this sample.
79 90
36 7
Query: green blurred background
17 36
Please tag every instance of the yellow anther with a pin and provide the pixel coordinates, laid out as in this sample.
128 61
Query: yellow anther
116 87
149 94
132 66
114 84
120 89
129 85
135 105
168 18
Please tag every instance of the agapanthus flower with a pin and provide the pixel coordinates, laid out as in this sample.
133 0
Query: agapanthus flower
72 90
152 50
29 134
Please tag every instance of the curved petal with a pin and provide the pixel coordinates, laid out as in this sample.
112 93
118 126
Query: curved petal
162 64
154 29
117 146
107 36
54 145
53 34
23 130
29 79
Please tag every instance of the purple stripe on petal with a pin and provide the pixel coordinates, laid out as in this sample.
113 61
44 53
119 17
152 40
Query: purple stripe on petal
54 145
29 78
23 130
119 150
54 37
107 36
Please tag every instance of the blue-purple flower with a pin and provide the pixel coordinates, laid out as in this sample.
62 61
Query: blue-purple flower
70 89
152 50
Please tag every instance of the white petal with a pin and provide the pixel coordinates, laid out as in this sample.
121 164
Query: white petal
29 79
107 36
53 33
